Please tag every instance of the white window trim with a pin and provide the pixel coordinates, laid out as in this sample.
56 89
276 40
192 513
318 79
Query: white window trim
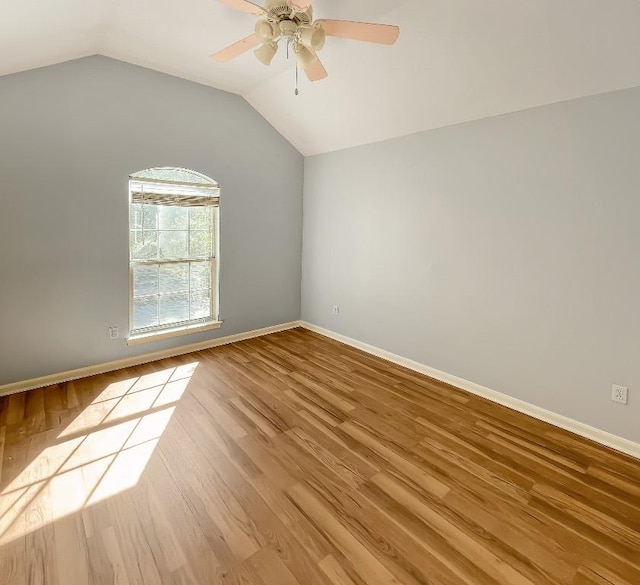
157 335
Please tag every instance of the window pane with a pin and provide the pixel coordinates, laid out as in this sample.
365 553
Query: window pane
173 244
145 312
200 244
135 216
174 278
144 245
145 280
200 218
174 174
174 308
174 218
200 304
200 275
150 217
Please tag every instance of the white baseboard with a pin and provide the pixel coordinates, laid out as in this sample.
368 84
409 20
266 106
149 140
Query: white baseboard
138 360
618 443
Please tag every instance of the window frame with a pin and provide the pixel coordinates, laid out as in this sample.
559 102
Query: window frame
189 326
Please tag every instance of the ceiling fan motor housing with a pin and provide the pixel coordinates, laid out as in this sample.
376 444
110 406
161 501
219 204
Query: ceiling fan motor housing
286 20
280 10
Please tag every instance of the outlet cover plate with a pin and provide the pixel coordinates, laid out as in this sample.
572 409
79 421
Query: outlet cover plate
619 394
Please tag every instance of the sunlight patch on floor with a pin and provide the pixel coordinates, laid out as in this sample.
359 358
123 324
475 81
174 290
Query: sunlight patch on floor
103 452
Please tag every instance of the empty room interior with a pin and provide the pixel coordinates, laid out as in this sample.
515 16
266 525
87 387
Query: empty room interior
308 292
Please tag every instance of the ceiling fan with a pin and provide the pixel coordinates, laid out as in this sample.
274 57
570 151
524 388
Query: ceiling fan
292 21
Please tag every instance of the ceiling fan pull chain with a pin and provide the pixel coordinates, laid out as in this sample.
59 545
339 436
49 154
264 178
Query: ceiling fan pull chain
297 92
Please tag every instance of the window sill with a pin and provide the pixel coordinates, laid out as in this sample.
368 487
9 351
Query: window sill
169 333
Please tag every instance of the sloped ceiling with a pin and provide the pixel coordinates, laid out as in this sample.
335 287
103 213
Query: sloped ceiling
456 60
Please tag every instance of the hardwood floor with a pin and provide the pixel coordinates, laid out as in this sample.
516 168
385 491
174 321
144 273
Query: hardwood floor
294 460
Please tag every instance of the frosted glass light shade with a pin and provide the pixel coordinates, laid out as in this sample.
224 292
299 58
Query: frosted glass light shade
305 56
312 36
267 31
266 53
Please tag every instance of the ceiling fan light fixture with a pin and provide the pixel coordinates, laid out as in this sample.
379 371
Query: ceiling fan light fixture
312 36
266 31
266 53
305 56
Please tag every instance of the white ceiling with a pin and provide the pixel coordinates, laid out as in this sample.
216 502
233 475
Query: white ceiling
456 60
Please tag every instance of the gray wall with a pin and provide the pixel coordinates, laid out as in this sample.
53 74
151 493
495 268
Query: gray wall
69 137
504 251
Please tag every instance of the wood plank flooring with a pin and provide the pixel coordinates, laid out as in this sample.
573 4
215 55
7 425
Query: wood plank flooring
294 460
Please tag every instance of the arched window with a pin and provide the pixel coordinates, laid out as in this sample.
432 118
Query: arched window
173 253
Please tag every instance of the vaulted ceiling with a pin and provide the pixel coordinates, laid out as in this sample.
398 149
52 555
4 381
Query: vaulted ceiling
455 61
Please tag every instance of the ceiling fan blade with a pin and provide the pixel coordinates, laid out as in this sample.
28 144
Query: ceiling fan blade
236 49
384 34
316 71
244 6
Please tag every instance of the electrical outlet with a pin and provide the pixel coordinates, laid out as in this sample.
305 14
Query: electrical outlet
619 394
335 310
113 332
